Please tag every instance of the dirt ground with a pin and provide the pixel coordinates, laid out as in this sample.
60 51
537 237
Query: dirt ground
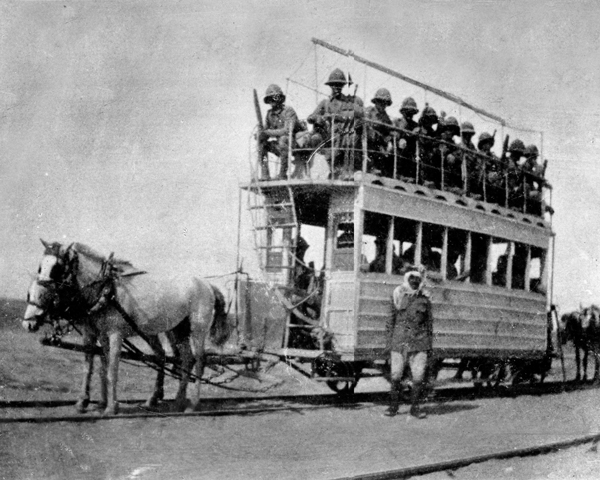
321 444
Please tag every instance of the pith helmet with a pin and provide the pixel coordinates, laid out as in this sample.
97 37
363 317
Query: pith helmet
336 77
409 105
429 112
383 95
450 124
273 91
467 127
531 151
517 146
485 137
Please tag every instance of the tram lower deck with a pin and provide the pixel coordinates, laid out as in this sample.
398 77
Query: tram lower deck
485 268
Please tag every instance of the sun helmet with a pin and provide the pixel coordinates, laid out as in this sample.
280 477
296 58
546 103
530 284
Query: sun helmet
383 95
273 91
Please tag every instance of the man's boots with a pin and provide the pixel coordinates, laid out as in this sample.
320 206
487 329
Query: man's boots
392 410
415 410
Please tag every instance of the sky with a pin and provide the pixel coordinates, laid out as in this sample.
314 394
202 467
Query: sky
127 125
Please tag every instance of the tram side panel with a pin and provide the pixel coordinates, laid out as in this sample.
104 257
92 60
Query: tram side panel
469 320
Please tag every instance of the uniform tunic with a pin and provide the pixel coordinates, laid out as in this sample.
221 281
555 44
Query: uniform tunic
278 122
407 147
410 327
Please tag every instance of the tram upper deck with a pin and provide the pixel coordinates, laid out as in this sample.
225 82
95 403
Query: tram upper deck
484 253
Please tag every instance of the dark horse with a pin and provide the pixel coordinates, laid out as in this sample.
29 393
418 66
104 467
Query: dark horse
582 328
109 301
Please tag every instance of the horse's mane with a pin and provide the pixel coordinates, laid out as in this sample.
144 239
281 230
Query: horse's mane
89 252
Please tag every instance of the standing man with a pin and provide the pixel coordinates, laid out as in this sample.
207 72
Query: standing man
337 119
280 122
407 140
410 338
379 136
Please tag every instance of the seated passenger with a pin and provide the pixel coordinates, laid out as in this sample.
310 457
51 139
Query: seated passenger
379 136
534 180
499 276
338 119
346 238
450 155
275 137
379 263
430 167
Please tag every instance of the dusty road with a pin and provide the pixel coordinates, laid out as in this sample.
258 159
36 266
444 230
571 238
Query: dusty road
320 444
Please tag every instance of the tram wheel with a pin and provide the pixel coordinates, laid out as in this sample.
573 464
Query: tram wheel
330 365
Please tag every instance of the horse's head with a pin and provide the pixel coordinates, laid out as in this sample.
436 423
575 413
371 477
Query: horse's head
44 293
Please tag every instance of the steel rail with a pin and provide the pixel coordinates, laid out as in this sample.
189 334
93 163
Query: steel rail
453 465
311 402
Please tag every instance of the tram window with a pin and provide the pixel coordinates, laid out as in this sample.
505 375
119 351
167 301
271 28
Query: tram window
479 257
457 250
405 239
499 260
343 254
431 250
374 242
519 266
536 269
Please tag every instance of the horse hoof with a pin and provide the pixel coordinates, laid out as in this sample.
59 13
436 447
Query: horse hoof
152 402
81 406
110 411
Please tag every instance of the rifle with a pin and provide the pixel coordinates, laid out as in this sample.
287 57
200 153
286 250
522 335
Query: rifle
258 112
260 145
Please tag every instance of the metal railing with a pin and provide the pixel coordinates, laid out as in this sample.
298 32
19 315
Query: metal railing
348 149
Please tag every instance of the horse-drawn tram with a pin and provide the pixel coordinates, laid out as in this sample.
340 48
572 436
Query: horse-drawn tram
389 197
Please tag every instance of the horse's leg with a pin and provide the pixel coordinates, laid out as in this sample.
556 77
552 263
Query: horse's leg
585 362
180 340
115 342
103 373
159 392
89 342
198 337
577 362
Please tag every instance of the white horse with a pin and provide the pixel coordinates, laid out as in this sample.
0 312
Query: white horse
109 301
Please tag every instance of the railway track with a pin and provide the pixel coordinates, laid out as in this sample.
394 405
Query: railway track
453 465
213 407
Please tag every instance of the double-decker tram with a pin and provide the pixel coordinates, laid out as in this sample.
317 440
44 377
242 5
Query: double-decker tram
486 258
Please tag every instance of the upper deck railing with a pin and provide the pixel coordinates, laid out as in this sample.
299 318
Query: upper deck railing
433 163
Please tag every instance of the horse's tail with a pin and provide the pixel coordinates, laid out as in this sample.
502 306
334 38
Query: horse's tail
219 328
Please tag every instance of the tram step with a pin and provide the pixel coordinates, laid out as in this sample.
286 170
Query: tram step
276 225
334 379
272 205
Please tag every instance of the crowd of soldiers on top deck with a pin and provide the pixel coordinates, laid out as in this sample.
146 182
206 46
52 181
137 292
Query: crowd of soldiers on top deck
422 151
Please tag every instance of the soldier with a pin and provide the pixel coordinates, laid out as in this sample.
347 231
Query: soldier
450 157
471 163
514 180
428 152
407 142
409 340
379 262
533 180
379 137
339 116
487 170
281 121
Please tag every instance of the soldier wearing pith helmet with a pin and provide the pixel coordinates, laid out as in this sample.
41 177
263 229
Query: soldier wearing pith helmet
379 135
338 119
406 140
281 121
